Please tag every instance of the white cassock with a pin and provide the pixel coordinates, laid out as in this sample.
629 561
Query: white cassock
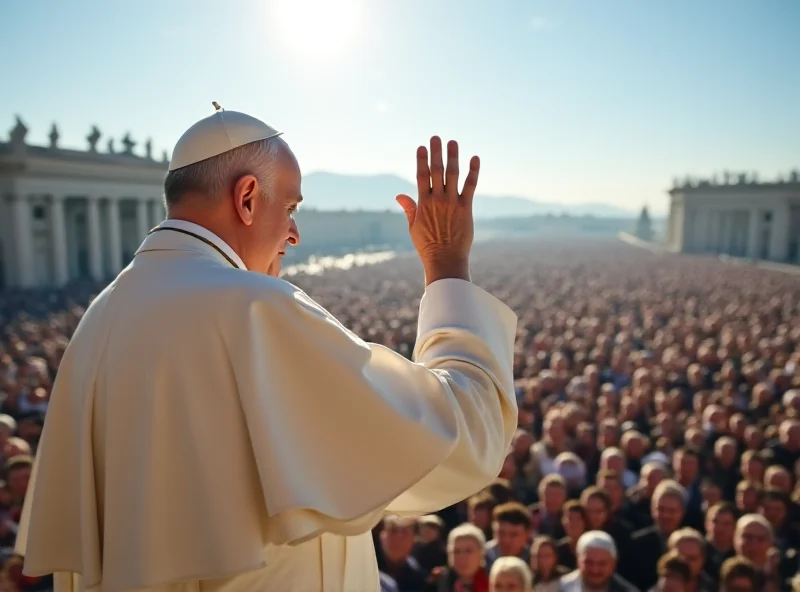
213 429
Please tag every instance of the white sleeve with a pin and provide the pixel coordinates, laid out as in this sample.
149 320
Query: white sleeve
343 430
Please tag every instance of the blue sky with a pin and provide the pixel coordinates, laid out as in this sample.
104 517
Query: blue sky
565 100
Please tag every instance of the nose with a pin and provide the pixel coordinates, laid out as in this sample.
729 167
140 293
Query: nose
294 234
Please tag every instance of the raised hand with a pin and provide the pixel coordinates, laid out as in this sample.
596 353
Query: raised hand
440 221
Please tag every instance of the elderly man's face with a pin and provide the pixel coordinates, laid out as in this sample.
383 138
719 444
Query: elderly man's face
596 567
753 542
667 513
268 214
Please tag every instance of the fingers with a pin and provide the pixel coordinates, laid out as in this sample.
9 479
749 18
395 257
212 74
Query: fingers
451 173
423 173
437 167
471 181
409 207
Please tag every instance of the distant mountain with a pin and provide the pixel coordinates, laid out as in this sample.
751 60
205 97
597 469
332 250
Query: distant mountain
331 191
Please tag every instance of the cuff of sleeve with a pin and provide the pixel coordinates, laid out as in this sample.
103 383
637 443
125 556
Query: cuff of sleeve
460 304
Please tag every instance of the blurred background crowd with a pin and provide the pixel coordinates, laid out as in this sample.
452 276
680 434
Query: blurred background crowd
659 422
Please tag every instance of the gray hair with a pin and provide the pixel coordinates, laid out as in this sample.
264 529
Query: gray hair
686 534
671 488
596 539
749 519
212 175
466 531
512 565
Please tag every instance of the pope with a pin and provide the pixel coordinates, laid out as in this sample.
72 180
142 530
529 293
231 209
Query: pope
213 428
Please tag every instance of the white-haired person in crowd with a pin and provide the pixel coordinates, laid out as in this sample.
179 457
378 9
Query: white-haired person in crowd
510 574
597 564
465 570
753 540
573 470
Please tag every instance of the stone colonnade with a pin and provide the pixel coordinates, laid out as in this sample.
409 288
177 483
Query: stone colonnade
101 224
758 232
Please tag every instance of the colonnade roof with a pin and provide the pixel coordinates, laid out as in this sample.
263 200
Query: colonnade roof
18 149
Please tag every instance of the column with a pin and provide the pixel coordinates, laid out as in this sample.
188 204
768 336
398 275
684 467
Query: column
779 239
142 222
114 237
699 229
58 242
95 244
21 210
753 227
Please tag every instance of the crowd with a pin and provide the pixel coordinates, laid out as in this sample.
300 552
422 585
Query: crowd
659 422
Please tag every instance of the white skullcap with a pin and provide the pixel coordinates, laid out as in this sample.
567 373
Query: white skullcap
218 133
596 539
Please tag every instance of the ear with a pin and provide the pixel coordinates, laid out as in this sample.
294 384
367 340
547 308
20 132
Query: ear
246 192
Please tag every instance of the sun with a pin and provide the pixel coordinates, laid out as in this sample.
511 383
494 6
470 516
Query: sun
316 29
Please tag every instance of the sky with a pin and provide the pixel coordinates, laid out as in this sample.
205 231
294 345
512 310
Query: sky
568 101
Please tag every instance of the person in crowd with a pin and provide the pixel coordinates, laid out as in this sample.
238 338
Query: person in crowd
544 565
575 523
553 496
510 574
430 548
720 528
480 508
597 564
674 574
668 510
395 557
753 539
691 546
739 574
511 524
466 567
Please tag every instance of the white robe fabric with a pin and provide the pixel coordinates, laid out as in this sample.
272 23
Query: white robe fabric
216 429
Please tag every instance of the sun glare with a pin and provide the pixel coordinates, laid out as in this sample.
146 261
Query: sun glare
316 29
